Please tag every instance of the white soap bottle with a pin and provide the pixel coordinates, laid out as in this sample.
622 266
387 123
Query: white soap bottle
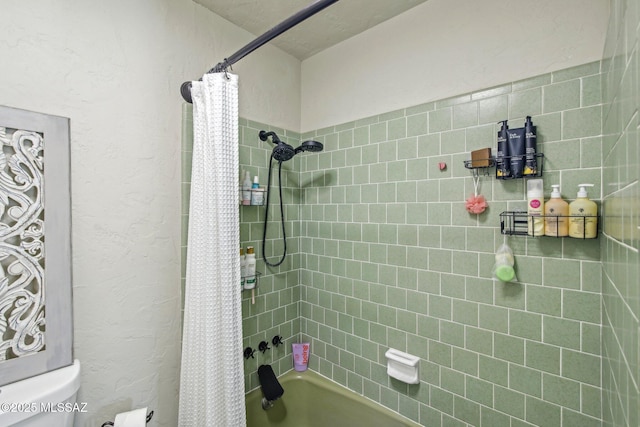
250 275
535 207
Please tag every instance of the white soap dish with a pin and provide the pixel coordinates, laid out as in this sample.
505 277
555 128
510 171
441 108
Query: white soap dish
403 366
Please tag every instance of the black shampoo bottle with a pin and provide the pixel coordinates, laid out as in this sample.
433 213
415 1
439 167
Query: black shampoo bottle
516 151
502 154
530 147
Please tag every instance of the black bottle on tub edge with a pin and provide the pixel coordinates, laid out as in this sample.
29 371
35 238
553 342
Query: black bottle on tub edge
503 168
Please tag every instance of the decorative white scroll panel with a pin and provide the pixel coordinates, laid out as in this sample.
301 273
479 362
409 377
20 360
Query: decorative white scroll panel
22 292
34 337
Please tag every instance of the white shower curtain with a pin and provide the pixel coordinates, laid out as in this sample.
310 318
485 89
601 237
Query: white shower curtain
212 376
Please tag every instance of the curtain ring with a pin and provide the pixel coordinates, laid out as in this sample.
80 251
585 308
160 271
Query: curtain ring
227 66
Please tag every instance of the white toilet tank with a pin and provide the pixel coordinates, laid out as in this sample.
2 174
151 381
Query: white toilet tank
44 400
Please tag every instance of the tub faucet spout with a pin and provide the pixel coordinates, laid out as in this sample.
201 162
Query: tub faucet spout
271 388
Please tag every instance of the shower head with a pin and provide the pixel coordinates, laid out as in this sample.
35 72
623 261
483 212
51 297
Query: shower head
313 146
283 151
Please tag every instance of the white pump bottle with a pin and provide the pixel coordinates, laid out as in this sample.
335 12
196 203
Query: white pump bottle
556 212
250 278
584 215
243 268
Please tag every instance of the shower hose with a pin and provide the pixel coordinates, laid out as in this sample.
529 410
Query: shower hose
266 215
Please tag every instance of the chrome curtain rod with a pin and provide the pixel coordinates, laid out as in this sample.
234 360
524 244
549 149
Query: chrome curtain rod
312 9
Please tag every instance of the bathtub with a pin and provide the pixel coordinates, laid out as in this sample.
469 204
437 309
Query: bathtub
311 400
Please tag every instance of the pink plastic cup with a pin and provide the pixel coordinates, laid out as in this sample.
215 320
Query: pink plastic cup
300 356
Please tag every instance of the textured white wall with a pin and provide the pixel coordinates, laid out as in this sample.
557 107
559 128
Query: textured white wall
444 48
115 68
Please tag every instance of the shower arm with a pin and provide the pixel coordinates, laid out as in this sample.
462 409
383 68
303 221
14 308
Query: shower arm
265 135
307 12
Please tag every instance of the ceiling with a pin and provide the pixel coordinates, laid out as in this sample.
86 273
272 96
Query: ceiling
336 23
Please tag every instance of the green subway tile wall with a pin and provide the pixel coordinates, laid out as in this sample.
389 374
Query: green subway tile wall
276 308
383 254
406 266
621 210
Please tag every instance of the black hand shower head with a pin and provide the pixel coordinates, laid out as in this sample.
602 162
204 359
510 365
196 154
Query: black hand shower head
313 146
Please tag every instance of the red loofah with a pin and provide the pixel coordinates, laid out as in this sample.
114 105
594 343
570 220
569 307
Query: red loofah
476 204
